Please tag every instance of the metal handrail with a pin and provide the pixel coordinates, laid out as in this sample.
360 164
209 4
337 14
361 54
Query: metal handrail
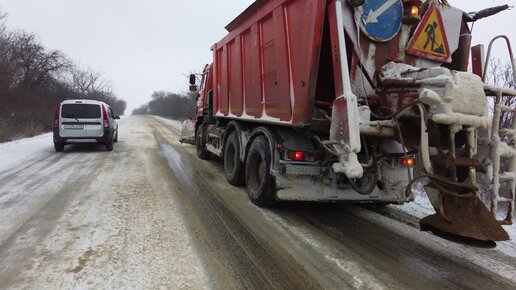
513 62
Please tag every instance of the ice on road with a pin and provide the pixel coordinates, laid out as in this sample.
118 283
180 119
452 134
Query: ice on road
87 218
151 215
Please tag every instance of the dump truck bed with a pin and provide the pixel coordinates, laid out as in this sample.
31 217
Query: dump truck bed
266 68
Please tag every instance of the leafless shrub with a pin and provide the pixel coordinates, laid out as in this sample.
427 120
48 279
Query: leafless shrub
169 105
33 80
31 128
4 132
89 82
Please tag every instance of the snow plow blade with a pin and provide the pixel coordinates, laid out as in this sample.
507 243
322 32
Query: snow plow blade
465 217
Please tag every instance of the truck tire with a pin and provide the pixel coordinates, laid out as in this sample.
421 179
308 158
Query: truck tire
233 167
58 147
202 153
260 184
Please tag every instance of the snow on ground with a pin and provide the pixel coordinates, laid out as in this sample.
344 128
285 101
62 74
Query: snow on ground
172 123
105 220
420 208
16 153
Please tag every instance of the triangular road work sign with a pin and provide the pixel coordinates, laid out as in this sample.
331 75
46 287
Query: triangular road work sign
429 39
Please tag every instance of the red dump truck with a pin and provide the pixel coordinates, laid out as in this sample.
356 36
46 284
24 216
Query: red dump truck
334 100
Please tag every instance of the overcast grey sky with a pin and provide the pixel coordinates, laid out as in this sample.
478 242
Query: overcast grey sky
148 45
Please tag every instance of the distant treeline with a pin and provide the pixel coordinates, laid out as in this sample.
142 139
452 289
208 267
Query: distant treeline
33 80
169 105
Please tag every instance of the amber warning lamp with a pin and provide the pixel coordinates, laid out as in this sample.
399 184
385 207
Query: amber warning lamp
407 161
411 15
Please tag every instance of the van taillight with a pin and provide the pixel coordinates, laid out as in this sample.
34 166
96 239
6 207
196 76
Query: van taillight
56 116
106 120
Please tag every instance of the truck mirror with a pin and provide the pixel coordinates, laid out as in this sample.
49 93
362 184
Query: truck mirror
193 88
356 3
192 79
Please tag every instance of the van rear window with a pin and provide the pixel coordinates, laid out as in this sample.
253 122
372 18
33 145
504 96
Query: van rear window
80 111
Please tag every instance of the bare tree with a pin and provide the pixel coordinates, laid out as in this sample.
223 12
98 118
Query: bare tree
3 16
31 74
7 65
169 105
501 74
89 82
36 65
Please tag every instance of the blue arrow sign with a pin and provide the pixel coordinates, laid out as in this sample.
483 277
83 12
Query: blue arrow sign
380 20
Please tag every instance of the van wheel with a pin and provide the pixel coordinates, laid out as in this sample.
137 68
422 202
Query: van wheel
109 146
58 147
233 167
202 152
115 140
261 186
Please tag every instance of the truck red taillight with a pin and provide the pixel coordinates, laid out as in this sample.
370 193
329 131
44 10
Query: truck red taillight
296 155
56 116
105 116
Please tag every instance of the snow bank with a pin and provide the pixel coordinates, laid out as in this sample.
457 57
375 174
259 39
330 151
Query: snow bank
16 153
21 151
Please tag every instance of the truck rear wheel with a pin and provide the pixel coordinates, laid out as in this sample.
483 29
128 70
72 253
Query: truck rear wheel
261 186
202 153
233 167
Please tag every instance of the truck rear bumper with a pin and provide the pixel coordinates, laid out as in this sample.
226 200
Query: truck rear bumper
104 139
305 183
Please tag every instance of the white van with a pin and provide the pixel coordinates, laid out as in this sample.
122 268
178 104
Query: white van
84 120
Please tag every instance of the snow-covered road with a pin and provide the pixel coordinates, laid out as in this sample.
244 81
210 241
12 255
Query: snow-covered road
93 219
150 215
